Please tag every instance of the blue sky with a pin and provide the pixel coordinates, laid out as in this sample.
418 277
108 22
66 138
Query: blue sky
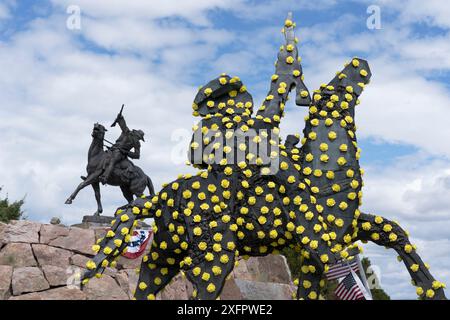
152 55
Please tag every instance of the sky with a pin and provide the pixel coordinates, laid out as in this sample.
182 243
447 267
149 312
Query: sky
59 77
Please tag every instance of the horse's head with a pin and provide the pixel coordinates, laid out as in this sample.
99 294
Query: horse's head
99 131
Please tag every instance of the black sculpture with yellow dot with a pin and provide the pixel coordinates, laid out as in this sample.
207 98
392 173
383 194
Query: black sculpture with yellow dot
243 207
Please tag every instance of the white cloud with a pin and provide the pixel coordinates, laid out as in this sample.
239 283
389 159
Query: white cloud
261 10
431 12
194 11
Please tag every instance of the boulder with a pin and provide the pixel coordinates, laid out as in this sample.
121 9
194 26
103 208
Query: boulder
55 220
241 271
5 281
252 265
271 268
133 278
28 279
123 281
56 276
17 255
62 293
50 232
176 290
124 263
78 240
237 289
79 260
104 288
274 268
20 231
47 255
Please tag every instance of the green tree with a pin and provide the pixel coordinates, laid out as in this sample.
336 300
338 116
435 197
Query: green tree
327 292
10 211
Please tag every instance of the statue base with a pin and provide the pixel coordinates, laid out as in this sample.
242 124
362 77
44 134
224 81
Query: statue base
90 222
98 219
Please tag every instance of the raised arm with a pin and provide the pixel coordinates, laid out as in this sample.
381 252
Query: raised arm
122 124
288 74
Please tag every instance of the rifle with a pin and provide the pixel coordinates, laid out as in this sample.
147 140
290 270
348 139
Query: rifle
118 117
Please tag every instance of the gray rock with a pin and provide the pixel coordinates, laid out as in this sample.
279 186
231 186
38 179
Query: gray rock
63 293
241 271
51 232
176 290
274 268
55 221
124 263
56 276
123 281
28 279
105 288
237 289
79 260
51 256
17 255
5 281
133 278
20 231
78 240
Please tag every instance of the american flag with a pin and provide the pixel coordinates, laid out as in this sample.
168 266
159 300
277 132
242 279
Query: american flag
349 289
341 269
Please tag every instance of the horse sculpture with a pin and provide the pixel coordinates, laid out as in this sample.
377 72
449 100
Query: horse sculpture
131 179
249 207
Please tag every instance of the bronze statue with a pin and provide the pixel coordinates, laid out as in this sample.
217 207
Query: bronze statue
309 201
113 166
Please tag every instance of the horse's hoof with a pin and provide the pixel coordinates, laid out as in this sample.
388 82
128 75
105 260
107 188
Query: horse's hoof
103 180
68 201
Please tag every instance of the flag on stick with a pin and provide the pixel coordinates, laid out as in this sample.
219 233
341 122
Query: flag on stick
348 289
341 269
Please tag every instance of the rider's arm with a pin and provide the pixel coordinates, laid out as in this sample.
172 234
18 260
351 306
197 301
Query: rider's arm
123 124
136 154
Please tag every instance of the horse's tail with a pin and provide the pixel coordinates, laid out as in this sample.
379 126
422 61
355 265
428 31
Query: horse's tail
150 187
115 242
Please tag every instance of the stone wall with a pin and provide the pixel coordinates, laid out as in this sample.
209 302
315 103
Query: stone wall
38 261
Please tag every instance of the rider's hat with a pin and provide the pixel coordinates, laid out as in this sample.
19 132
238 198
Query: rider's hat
225 95
140 134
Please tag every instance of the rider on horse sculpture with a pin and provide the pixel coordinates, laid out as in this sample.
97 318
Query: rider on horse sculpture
128 140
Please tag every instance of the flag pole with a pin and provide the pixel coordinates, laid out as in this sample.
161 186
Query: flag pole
363 276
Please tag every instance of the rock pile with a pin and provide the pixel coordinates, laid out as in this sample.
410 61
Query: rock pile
40 261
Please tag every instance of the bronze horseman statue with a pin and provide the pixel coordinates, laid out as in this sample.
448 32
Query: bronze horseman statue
113 166
254 201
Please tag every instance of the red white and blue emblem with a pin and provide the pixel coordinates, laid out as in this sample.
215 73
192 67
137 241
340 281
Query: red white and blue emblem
138 243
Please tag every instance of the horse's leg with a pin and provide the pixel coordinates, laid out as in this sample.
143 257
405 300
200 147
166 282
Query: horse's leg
127 193
98 198
89 180
208 277
155 274
310 280
387 233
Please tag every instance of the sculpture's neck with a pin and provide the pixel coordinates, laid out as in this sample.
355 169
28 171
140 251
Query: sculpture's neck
329 142
96 147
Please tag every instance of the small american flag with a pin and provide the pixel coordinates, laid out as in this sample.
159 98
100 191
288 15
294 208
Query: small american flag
348 289
341 269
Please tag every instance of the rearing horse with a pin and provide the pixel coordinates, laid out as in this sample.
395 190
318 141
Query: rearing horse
131 179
